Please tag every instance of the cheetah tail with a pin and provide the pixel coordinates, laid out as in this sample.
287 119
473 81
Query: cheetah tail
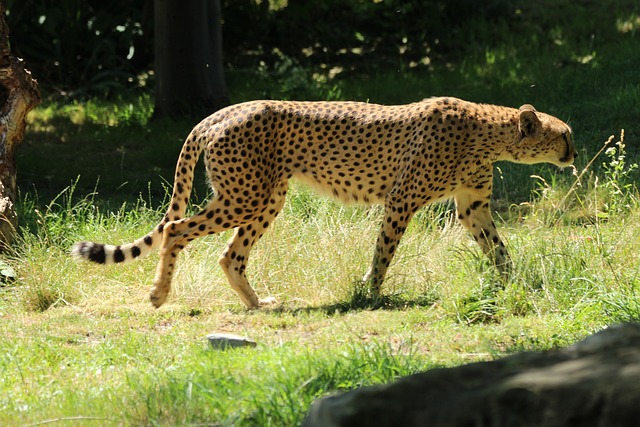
183 183
113 254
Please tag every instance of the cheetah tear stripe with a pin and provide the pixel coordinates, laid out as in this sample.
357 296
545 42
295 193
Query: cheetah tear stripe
401 156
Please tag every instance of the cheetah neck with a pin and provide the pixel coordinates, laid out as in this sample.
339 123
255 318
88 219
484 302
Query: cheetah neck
490 129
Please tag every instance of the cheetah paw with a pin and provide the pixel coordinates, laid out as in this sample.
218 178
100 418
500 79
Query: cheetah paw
158 297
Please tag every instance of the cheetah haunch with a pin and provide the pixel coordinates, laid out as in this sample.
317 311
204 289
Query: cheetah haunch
403 156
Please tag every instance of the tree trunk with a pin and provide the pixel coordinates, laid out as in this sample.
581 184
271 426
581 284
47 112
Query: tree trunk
188 57
18 95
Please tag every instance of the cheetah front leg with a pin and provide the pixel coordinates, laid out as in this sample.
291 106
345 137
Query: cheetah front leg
475 215
394 224
234 259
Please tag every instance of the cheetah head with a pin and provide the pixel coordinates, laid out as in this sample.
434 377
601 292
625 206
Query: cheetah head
542 138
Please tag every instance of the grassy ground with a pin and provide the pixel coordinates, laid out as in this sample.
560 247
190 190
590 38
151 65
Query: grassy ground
81 345
83 341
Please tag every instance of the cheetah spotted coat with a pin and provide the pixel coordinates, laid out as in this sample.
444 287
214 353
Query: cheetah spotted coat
403 157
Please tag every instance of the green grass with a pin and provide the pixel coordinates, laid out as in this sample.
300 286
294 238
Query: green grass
81 344
82 341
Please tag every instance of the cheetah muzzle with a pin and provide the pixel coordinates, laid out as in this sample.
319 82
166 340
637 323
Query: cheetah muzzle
403 157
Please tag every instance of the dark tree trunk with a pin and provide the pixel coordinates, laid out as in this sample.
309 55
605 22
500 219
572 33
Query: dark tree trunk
188 56
18 95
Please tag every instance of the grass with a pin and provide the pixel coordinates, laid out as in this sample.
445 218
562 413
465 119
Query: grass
83 341
81 345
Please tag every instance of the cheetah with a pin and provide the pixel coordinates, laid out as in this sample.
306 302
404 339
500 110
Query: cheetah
402 156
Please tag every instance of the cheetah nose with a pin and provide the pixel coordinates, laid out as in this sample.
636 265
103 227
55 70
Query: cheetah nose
569 156
573 154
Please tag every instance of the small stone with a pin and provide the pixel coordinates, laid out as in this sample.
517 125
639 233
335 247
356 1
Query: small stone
225 341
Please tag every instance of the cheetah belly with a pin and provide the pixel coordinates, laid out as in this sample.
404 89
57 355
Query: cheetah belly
348 186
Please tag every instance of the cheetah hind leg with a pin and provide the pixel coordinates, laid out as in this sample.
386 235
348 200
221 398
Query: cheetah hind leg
177 234
234 259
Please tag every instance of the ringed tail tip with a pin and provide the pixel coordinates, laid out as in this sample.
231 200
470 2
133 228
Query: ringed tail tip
89 251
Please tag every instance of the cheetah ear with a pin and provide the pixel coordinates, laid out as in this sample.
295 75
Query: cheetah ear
529 122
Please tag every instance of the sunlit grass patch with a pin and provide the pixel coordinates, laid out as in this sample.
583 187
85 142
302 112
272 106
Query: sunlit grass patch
271 383
123 112
443 303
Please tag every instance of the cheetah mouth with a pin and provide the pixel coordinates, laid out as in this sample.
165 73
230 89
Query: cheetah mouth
569 153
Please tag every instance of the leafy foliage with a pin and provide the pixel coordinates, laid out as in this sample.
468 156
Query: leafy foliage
620 177
79 47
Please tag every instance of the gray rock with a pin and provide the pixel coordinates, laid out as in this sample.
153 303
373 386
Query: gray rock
225 341
595 382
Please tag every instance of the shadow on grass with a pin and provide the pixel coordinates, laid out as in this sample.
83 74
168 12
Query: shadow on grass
361 299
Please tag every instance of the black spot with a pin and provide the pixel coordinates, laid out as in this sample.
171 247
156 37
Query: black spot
118 255
148 240
96 254
135 252
476 204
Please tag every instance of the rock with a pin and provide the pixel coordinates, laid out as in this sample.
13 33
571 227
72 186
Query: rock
225 341
595 382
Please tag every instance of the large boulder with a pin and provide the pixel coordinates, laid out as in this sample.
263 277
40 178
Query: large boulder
595 382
